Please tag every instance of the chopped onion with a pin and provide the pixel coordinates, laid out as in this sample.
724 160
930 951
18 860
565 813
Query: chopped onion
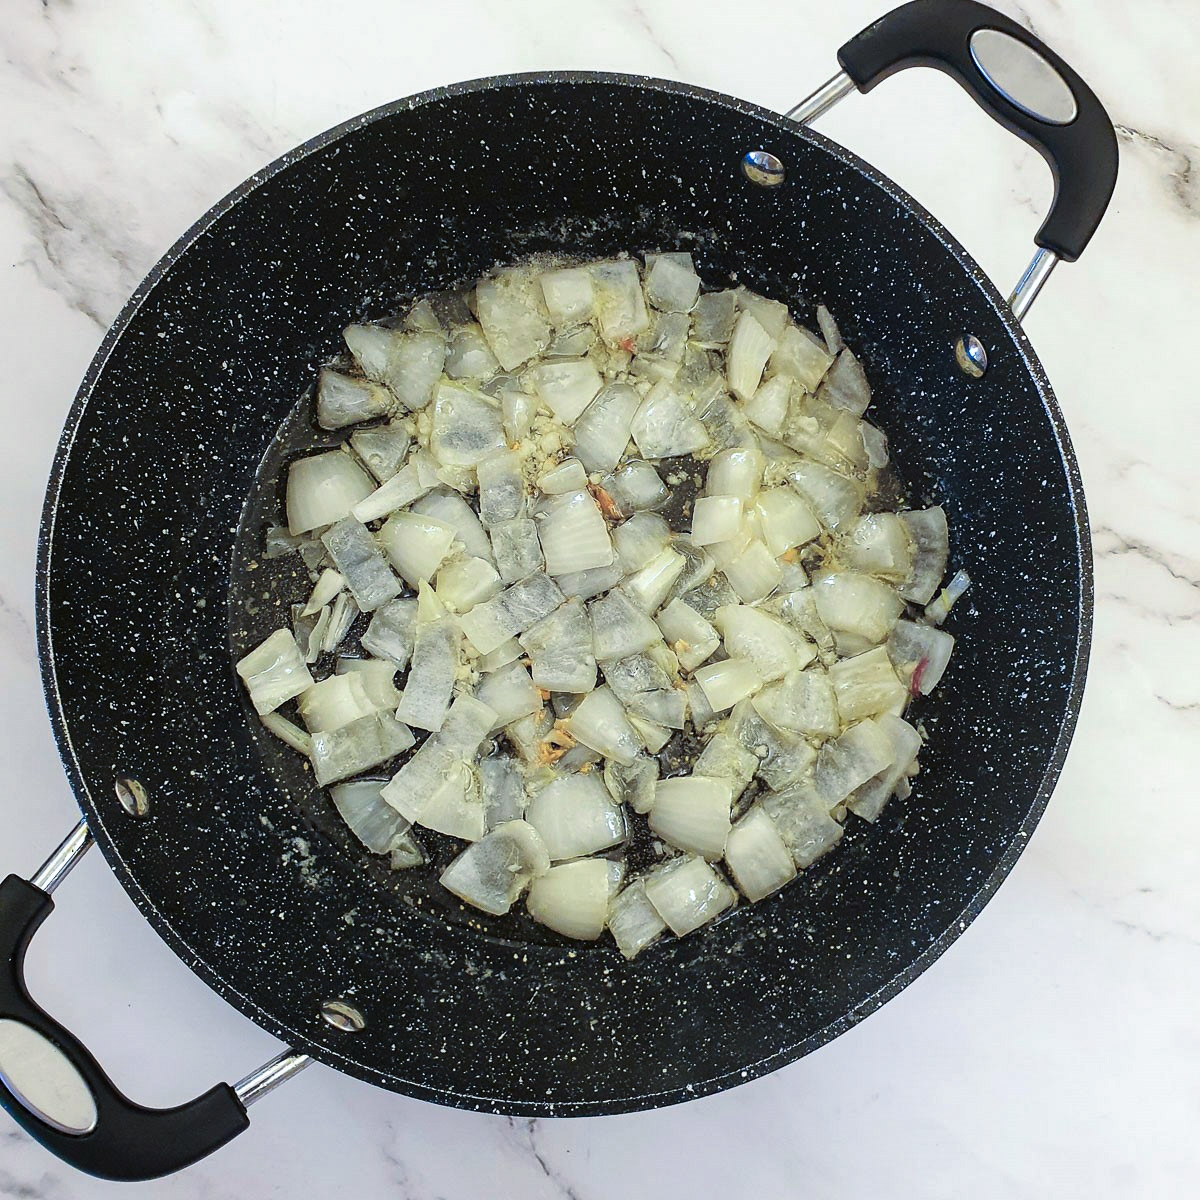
664 425
768 407
469 356
454 511
920 654
713 316
640 539
407 853
511 692
931 547
277 542
503 790
517 409
456 807
566 476
409 483
569 295
323 489
938 610
566 386
619 627
867 801
672 284
560 649
421 318
754 573
378 677
633 921
724 757
804 823
878 544
310 631
435 661
285 731
692 638
692 813
585 584
849 761
324 590
866 686
334 702
835 499
467 426
726 682
757 856
274 672
772 646
715 518
358 557
514 610
737 472
632 783
875 443
749 348
801 702
516 549
786 521
853 603
646 690
572 899
829 329
370 818
343 401
800 356
506 652
687 893
653 736
574 815
407 363
845 385
772 315
363 744
783 757
648 587
620 306
390 633
599 722
508 309
491 873
501 488
416 545
574 535
602 432
636 487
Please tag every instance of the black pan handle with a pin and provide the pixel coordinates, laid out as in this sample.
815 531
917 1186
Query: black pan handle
1020 83
53 1087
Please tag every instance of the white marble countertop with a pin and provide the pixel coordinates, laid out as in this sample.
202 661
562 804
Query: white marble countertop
1052 1051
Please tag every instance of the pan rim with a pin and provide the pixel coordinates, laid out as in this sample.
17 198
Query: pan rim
625 1103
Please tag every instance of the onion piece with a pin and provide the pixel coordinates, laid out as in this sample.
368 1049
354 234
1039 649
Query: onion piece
277 542
829 329
737 472
783 757
324 590
574 815
672 284
930 536
506 652
334 702
339 753
648 587
310 631
635 487
599 722
715 518
851 603
407 853
620 306
692 813
632 783
491 873
639 539
866 686
803 822
409 483
454 511
664 425
566 476
516 549
378 678
511 692
687 893
382 448
286 732
849 761
390 632
602 432
749 348
867 801
801 702
560 649
456 807
322 489
920 654
876 445
834 499
583 585
757 856
569 295
700 711
513 611
467 426
653 736
786 520
646 690
463 584
435 662
938 610
619 627
878 544
342 400
726 682
771 645
754 573
274 672
845 385
724 757
407 363
469 356
574 535
501 488
772 315
369 817
416 545
503 790
358 557
572 899
692 638
566 386
768 407
713 316
800 356
517 409
633 921
509 310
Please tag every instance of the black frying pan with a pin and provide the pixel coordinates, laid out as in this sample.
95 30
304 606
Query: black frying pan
215 831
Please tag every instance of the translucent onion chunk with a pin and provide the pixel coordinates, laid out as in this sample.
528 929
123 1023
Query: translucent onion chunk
801 702
343 400
803 821
749 348
575 816
728 681
503 790
560 650
866 686
509 310
566 387
868 799
692 813
574 535
632 783
757 856
770 644
602 432
569 295
390 632
358 557
369 817
920 654
323 488
509 691
931 547
572 898
619 627
633 920
599 722
687 893
357 747
435 661
501 488
858 604
416 545
494 871
274 672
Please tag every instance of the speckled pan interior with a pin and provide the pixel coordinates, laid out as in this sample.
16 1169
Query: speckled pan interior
179 408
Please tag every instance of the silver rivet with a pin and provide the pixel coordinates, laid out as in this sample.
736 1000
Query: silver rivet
341 1014
132 796
970 355
763 168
